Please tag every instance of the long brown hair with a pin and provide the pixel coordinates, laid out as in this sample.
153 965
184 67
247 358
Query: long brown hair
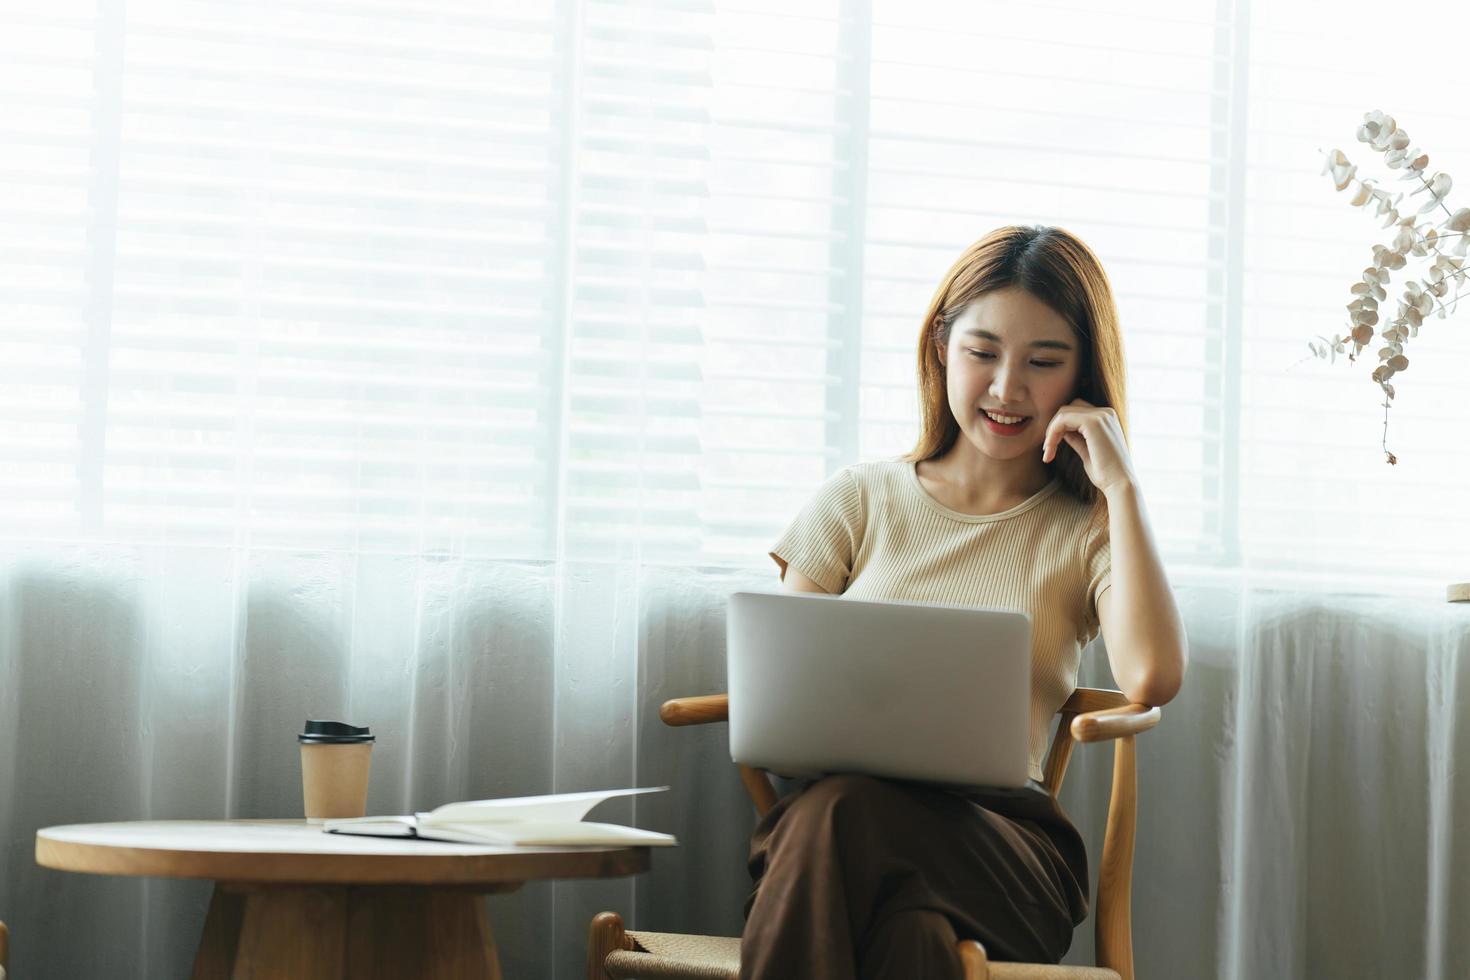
1056 267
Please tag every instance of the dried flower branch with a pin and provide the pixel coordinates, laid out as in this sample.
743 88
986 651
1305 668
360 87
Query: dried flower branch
1412 240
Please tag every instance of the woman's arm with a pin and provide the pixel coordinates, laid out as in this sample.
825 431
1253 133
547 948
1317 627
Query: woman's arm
1140 622
797 582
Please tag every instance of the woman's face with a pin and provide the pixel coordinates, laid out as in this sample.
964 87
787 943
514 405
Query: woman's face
1009 355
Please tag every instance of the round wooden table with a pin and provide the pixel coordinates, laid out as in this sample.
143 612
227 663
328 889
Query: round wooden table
292 901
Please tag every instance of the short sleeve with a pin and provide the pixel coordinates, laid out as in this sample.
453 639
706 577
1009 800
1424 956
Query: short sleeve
824 538
1097 567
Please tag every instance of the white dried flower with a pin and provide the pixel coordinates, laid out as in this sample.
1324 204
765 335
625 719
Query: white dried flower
1448 245
1376 130
1341 168
1438 188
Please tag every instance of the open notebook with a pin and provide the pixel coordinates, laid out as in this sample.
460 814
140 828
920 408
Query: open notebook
530 821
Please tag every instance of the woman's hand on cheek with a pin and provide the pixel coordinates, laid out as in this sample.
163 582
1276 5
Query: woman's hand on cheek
1097 437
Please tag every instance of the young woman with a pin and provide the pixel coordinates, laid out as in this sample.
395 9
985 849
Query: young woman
1020 494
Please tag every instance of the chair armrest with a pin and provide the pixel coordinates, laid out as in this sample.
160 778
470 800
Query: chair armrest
1129 719
696 711
1094 726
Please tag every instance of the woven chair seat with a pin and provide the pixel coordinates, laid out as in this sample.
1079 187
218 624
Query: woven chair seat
670 956
1040 971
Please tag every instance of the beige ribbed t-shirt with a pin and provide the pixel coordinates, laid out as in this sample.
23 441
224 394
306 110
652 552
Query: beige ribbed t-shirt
873 532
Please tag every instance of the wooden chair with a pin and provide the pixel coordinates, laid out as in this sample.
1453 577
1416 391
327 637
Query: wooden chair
1090 715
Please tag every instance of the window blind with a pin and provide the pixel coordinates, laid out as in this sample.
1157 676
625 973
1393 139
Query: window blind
626 279
781 330
48 115
1102 120
318 293
636 295
1317 493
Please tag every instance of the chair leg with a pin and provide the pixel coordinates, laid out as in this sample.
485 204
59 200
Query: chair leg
605 936
974 960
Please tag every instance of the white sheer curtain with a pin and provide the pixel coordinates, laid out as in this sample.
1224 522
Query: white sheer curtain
441 366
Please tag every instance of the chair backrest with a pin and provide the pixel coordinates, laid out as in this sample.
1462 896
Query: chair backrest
1083 700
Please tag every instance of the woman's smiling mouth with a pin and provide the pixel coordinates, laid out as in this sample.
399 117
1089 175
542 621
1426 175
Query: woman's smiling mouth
1012 424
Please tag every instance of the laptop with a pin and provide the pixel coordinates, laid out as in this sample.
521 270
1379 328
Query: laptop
822 684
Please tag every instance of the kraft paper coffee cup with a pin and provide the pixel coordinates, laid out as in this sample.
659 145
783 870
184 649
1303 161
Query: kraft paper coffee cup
335 759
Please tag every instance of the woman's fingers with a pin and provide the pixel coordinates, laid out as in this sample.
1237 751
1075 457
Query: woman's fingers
1062 423
1078 442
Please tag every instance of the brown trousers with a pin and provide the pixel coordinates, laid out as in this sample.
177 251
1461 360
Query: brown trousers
876 878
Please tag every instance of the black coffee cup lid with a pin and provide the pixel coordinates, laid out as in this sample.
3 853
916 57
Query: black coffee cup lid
333 733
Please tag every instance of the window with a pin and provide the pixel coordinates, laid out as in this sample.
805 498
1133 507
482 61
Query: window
626 280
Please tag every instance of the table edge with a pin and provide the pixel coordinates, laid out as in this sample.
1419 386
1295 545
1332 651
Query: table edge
291 867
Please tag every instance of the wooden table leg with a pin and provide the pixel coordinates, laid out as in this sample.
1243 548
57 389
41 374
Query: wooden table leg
292 932
265 932
216 957
403 932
